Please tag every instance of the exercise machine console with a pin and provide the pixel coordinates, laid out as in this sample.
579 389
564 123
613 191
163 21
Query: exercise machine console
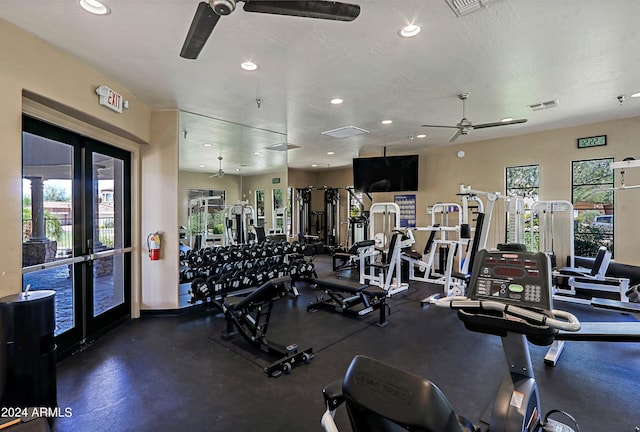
509 296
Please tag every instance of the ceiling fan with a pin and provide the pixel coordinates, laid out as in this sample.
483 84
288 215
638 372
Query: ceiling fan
465 126
208 14
220 173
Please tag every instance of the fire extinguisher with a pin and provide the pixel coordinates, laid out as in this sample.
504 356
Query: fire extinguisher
153 243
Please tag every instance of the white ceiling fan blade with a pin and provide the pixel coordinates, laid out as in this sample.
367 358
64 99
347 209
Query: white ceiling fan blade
456 135
501 123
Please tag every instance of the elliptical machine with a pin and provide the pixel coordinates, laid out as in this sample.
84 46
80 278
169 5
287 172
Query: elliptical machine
509 296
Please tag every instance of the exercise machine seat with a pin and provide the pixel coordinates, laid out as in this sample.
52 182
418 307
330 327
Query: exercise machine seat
597 270
381 397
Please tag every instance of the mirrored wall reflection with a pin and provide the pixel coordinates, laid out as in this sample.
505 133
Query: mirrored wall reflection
244 165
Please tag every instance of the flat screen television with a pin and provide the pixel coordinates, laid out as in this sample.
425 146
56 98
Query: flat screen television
386 174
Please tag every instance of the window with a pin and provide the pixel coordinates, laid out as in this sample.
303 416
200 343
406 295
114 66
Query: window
524 182
592 198
289 211
278 212
260 207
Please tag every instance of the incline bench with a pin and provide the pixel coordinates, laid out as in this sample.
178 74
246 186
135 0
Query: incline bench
623 331
351 298
250 315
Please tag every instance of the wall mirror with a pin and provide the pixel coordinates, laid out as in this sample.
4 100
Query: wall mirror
221 165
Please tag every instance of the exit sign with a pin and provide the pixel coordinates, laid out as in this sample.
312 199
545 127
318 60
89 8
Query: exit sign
110 98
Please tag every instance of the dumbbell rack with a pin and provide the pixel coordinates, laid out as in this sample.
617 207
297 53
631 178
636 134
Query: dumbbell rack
216 272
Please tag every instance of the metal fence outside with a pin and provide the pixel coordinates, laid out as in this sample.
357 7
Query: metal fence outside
61 230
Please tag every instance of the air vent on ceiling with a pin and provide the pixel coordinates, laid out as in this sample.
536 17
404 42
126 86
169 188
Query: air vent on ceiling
464 7
283 147
544 105
345 132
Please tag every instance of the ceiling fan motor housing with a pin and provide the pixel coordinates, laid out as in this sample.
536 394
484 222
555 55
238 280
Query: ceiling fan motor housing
223 7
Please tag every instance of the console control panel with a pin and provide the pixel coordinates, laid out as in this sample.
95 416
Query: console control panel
518 277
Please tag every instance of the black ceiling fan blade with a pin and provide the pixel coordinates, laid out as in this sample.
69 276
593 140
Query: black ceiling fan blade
328 10
201 27
441 126
494 124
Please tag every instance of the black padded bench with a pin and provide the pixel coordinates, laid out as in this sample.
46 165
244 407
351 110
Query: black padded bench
350 297
250 316
620 331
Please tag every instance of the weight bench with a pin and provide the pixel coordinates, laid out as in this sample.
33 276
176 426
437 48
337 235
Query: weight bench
623 331
250 316
351 298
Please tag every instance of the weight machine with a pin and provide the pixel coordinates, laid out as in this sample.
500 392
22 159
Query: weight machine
279 221
595 279
444 242
628 162
202 213
327 221
443 250
383 268
239 223
549 214
380 265
332 214
384 219
358 222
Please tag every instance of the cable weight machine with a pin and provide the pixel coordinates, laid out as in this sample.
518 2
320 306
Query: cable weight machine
319 227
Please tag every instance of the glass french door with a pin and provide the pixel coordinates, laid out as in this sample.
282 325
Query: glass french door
76 235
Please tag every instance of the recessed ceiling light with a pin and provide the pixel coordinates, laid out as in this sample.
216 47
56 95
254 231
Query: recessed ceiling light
410 30
336 101
206 145
238 169
506 119
249 66
330 153
95 7
314 165
386 122
635 95
421 136
201 166
257 153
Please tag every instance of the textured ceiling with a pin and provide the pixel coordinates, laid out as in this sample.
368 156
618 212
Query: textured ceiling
509 55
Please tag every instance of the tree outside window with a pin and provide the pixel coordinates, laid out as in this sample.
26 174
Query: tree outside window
524 182
592 198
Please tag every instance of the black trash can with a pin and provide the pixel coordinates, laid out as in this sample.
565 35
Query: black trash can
28 350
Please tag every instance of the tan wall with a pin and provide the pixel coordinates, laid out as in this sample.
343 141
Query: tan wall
31 67
160 206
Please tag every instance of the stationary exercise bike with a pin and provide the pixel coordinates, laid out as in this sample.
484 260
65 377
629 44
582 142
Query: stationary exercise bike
509 296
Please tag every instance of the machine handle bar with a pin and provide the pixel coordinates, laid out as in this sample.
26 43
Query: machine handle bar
561 320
